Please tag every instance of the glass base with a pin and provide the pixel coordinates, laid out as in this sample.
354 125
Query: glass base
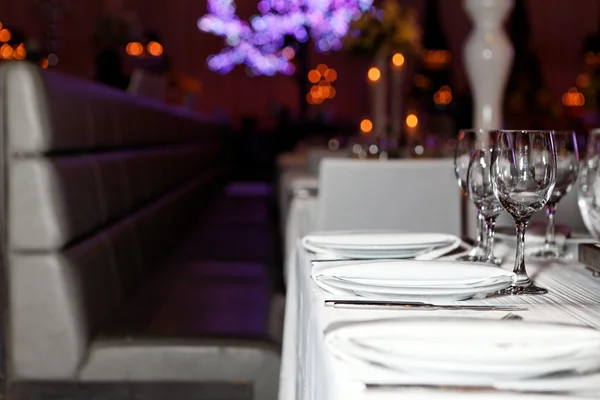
550 253
520 290
471 258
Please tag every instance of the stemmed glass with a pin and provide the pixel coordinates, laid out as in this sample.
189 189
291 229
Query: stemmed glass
589 185
468 141
481 193
567 169
523 177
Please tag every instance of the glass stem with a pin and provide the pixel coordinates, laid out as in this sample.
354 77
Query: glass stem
490 226
481 229
522 278
551 230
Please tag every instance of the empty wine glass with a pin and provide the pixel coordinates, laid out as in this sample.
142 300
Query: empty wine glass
567 169
523 177
467 142
481 193
589 185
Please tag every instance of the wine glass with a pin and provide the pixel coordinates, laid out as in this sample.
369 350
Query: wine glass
481 193
567 169
467 142
589 185
523 177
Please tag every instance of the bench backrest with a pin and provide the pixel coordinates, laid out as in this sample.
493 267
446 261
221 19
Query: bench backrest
96 185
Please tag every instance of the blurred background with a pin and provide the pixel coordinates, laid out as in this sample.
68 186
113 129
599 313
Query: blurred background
553 80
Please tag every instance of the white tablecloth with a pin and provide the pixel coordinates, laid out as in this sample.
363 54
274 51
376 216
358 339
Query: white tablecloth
310 372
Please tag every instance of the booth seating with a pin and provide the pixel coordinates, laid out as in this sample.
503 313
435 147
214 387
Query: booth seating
102 190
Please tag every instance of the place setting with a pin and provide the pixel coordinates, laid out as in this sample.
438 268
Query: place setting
511 170
458 354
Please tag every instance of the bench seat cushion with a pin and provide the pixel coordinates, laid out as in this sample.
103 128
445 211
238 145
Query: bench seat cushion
199 299
205 321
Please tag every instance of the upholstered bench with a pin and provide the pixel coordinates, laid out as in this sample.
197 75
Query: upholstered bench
101 191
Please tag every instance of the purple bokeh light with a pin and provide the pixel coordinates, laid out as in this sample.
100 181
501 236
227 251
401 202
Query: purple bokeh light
259 44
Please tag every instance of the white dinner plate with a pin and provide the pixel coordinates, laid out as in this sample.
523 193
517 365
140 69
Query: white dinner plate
379 244
465 351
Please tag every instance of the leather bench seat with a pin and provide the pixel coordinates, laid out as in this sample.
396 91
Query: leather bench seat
115 274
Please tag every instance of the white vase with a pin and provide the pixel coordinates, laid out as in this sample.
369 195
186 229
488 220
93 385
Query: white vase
488 56
379 96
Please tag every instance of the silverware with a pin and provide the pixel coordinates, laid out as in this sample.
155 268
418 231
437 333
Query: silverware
512 317
404 305
450 388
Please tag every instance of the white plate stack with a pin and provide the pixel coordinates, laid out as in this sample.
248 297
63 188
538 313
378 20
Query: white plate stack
410 280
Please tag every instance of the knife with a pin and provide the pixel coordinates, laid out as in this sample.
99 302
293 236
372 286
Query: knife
403 305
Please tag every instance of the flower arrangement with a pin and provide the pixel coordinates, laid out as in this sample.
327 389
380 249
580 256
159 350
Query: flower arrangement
389 29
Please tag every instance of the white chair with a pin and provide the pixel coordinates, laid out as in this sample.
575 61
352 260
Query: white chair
411 195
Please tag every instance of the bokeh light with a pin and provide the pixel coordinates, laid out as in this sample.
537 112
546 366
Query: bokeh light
374 74
134 49
366 125
6 52
5 35
261 43
412 121
155 49
398 59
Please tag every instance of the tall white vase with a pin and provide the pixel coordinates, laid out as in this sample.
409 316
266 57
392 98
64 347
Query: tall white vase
379 92
488 56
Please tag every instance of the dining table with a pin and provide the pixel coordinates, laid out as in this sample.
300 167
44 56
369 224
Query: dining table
311 372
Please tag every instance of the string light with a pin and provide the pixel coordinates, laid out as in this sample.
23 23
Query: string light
259 43
322 77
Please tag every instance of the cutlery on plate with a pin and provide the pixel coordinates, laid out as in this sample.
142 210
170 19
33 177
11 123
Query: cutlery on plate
404 305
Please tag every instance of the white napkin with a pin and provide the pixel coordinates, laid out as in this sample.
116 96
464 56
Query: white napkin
411 280
468 351
381 244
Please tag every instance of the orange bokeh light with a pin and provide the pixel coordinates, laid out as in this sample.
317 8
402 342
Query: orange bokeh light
314 76
134 49
330 75
322 68
412 121
155 49
583 80
374 74
366 125
398 59
20 52
5 35
573 98
6 52
45 63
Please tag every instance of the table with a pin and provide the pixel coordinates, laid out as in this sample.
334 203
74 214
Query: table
309 372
